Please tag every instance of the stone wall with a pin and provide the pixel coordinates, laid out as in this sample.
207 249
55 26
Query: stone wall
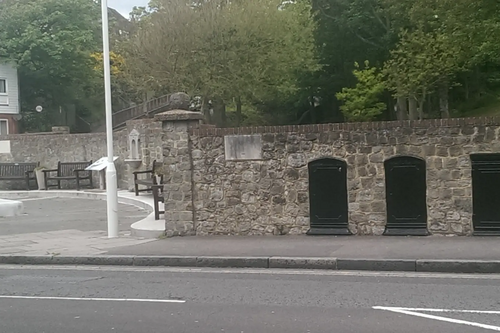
270 196
215 189
49 148
178 159
150 147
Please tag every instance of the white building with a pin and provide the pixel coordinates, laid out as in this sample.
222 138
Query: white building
9 99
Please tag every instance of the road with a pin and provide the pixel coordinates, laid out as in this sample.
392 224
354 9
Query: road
143 300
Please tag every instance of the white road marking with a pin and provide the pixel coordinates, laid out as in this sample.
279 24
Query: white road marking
439 310
410 312
143 300
263 271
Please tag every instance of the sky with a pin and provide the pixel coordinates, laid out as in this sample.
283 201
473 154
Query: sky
125 6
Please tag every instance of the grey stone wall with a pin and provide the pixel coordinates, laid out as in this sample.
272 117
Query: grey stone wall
48 149
178 160
271 196
150 146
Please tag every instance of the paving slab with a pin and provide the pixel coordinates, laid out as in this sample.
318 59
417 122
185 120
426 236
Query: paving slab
352 247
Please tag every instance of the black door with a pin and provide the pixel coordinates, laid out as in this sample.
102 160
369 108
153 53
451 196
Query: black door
486 194
405 179
328 197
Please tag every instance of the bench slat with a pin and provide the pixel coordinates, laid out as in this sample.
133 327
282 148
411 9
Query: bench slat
16 170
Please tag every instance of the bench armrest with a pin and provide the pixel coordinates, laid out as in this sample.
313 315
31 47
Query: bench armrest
49 170
157 192
137 173
142 172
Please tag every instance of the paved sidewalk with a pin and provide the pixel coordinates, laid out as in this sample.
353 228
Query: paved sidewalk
431 254
66 226
72 231
432 247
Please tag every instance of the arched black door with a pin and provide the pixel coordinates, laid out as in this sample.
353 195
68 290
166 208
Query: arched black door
486 194
406 196
328 197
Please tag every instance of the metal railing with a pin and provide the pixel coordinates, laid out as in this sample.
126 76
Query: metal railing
121 117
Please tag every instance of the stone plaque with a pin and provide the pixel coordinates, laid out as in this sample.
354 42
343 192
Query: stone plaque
243 147
5 147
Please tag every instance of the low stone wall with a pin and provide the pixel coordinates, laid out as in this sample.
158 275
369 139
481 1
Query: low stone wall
270 196
49 148
255 181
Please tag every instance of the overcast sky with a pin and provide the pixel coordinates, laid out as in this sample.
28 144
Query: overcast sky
125 6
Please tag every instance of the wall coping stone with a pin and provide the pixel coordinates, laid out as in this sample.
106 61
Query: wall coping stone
365 126
57 135
178 115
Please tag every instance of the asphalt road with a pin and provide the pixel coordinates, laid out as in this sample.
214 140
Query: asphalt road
138 300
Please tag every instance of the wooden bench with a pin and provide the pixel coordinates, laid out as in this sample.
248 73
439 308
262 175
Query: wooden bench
147 181
158 196
19 171
68 171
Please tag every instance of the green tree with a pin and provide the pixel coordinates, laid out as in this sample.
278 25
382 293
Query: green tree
350 31
419 63
362 103
242 51
443 40
50 42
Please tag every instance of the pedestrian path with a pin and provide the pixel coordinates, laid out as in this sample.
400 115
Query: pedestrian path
71 226
69 223
65 242
374 247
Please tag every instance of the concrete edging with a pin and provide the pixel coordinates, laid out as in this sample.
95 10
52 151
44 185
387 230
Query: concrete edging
403 265
72 194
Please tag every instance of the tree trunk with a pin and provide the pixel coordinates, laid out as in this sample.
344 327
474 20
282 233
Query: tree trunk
223 113
444 100
238 111
205 109
421 104
466 87
219 112
413 112
314 116
402 106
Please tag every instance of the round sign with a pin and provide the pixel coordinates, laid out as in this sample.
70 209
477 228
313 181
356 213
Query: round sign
39 108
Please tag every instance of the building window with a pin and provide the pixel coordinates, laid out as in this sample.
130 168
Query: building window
4 127
3 86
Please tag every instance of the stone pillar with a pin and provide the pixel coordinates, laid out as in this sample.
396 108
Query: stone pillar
179 209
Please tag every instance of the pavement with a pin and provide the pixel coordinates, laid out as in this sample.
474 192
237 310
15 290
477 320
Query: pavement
66 226
70 228
138 299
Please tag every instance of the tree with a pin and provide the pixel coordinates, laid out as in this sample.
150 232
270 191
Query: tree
444 38
348 32
246 51
362 103
50 41
419 63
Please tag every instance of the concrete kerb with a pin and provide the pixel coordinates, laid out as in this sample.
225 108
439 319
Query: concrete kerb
75 194
303 263
376 265
436 266
458 266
